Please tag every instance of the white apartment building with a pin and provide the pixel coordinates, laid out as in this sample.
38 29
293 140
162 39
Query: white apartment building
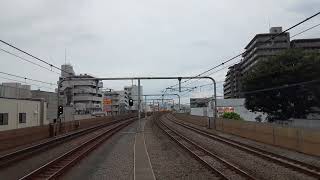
22 113
84 95
133 94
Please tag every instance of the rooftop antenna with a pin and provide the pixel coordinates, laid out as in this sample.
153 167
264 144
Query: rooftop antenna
65 56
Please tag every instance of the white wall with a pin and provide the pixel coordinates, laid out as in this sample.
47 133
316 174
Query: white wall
198 111
239 108
236 104
305 123
13 107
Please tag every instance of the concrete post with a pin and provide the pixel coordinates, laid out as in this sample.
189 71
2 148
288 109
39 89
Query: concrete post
139 107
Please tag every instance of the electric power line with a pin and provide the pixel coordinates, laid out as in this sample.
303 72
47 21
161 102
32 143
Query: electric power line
271 38
25 78
24 59
281 87
25 83
41 60
308 29
214 72
305 30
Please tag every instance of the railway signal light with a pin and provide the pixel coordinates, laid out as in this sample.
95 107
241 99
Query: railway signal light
130 102
60 110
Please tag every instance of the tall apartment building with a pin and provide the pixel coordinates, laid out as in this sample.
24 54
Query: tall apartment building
133 94
232 82
259 48
306 44
84 96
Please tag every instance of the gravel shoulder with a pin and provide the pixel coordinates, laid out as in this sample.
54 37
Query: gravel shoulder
314 160
169 160
256 166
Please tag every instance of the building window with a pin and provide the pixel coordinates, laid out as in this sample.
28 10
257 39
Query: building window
3 118
22 117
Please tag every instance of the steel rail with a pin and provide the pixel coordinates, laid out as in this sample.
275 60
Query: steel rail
20 154
174 135
296 165
61 164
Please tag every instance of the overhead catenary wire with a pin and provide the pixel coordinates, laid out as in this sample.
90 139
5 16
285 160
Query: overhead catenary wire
240 54
282 86
15 80
213 72
308 29
26 78
29 54
24 59
301 32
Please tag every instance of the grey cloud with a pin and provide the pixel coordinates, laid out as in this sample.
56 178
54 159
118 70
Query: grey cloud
308 7
137 38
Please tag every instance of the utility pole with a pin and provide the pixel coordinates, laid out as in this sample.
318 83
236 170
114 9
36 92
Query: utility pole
145 108
153 107
139 104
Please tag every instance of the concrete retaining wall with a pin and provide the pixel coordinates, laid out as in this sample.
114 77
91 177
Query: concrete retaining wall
299 139
17 137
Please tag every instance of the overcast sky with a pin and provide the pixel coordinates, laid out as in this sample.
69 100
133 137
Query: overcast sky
117 38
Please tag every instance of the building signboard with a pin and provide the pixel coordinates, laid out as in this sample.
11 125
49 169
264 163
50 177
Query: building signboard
107 104
222 110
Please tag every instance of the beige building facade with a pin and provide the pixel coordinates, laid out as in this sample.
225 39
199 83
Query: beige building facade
22 113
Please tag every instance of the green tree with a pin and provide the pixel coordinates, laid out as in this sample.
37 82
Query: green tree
292 66
231 115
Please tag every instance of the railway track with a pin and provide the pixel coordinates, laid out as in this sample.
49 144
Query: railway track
221 167
293 164
59 165
13 157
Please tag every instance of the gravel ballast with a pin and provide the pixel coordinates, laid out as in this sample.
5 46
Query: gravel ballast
281 151
256 166
169 160
27 165
111 160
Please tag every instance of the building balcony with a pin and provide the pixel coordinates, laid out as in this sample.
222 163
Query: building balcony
261 39
86 90
227 85
227 90
271 49
87 98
